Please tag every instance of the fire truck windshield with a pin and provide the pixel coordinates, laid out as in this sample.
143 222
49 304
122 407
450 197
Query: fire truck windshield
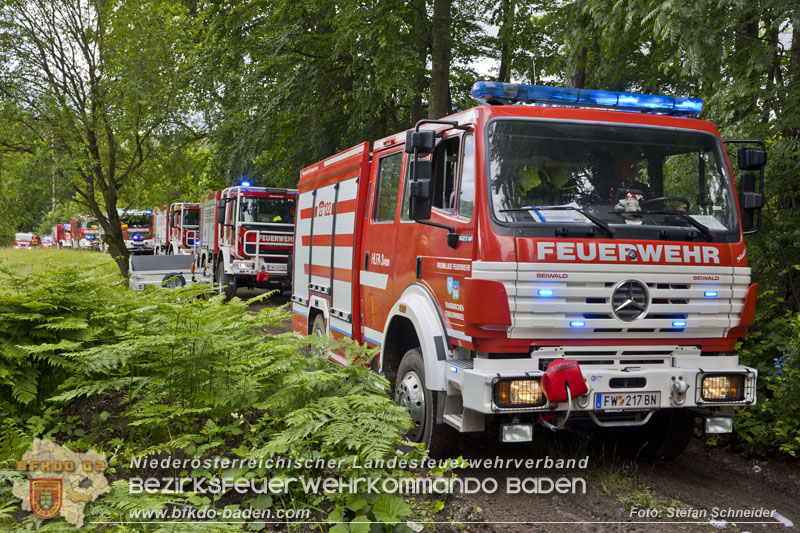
620 176
88 223
260 209
137 221
191 217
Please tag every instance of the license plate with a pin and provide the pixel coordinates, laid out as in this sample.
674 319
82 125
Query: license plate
626 400
276 268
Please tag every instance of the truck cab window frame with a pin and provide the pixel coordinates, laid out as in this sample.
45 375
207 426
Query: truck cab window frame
466 176
387 189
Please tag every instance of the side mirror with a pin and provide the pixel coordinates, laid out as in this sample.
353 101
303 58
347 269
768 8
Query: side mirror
752 158
221 214
420 190
750 203
422 141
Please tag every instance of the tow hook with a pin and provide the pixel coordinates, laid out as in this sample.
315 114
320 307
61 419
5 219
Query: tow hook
679 389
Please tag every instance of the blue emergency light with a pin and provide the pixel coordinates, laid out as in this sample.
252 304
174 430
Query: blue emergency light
148 212
137 237
679 324
710 294
577 324
545 292
244 183
495 92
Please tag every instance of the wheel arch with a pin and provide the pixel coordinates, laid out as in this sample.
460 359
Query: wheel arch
416 307
318 306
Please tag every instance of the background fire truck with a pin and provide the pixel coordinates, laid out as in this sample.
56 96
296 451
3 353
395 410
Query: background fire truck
61 235
246 237
533 264
85 233
24 240
137 229
175 228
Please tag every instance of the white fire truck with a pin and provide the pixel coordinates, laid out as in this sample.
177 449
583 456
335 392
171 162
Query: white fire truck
176 228
246 237
558 256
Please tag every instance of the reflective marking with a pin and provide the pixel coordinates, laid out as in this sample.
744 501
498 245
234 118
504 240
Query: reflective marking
458 335
337 358
373 336
343 155
341 331
375 280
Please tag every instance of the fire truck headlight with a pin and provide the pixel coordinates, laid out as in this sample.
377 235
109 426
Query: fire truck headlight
723 388
243 265
519 393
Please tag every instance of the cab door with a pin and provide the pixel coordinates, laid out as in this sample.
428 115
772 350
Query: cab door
378 246
442 267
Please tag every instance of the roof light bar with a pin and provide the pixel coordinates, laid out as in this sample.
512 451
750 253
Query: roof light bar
495 92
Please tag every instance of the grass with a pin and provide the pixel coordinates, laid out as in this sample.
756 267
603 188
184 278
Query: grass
40 259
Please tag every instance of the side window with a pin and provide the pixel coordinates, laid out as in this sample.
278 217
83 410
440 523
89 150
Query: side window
388 186
466 195
444 179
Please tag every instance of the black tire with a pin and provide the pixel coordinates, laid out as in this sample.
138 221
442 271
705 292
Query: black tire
225 282
410 392
318 327
172 281
665 436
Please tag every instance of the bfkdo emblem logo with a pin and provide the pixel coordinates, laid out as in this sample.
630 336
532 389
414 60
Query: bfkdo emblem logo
46 497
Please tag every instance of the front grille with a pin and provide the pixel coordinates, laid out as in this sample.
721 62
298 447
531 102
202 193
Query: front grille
586 294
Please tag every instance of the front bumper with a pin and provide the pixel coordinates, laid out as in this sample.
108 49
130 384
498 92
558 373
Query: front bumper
675 374
250 267
139 245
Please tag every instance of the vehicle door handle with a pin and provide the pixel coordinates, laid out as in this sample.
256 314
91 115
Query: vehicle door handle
366 261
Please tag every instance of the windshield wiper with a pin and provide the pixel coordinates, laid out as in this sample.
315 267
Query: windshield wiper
698 226
597 222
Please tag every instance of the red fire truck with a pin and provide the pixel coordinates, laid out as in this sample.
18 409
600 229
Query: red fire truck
559 255
85 232
137 230
246 236
61 235
175 228
24 240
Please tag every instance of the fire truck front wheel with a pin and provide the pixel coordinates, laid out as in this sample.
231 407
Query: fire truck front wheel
410 392
225 282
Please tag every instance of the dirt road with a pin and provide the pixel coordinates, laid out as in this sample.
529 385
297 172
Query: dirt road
698 491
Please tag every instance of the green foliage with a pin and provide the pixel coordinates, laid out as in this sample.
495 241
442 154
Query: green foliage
88 363
44 321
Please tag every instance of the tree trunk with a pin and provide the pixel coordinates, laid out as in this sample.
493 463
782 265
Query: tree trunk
505 35
440 60
422 42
